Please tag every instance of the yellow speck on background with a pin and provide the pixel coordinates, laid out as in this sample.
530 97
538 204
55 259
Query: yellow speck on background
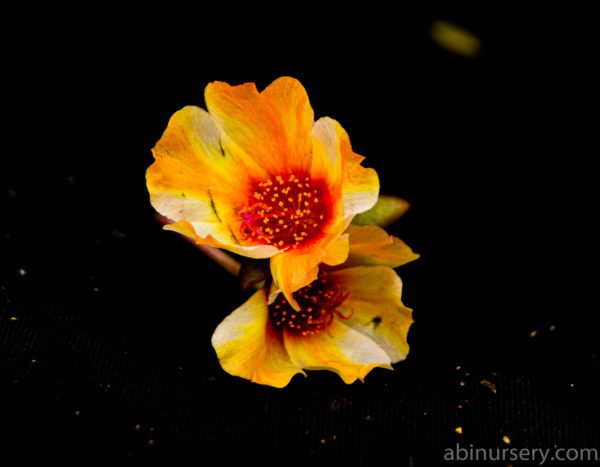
455 39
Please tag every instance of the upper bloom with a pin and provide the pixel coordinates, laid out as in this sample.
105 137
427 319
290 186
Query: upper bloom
257 176
350 320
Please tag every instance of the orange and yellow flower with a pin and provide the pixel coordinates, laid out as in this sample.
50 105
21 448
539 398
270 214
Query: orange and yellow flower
257 176
350 320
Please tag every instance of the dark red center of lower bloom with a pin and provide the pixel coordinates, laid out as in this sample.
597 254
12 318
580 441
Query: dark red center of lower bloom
287 211
318 303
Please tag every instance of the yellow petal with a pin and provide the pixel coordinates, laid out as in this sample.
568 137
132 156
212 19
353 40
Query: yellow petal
272 128
336 252
192 179
374 301
296 268
249 347
327 157
347 352
371 245
332 154
201 235
289 100
360 185
185 228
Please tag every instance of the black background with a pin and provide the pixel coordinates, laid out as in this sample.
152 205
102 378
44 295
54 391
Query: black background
109 359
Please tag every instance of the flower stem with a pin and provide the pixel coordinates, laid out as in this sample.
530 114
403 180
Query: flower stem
228 263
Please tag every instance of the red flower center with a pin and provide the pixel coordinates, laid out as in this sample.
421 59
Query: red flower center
318 302
287 211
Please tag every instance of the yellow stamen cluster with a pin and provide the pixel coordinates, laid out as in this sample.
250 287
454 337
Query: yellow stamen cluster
285 211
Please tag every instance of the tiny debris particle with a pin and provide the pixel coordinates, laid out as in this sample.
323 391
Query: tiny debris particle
22 272
533 333
462 383
458 367
14 318
151 429
150 442
458 429
488 384
77 413
506 439
137 427
460 406
552 328
323 441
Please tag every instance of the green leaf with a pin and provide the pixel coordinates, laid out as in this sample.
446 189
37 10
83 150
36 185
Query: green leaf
386 211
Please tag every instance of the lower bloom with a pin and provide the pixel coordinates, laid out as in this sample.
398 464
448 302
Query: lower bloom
350 319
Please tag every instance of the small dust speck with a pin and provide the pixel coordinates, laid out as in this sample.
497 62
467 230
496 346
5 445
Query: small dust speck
552 328
488 384
14 318
150 442
458 430
151 429
506 439
323 441
22 272
77 413
462 383
533 333
137 427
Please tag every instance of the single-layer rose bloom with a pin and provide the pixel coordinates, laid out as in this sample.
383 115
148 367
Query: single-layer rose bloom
257 176
351 319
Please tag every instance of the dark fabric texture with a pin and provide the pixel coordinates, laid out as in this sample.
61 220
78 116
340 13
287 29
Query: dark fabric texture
106 320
